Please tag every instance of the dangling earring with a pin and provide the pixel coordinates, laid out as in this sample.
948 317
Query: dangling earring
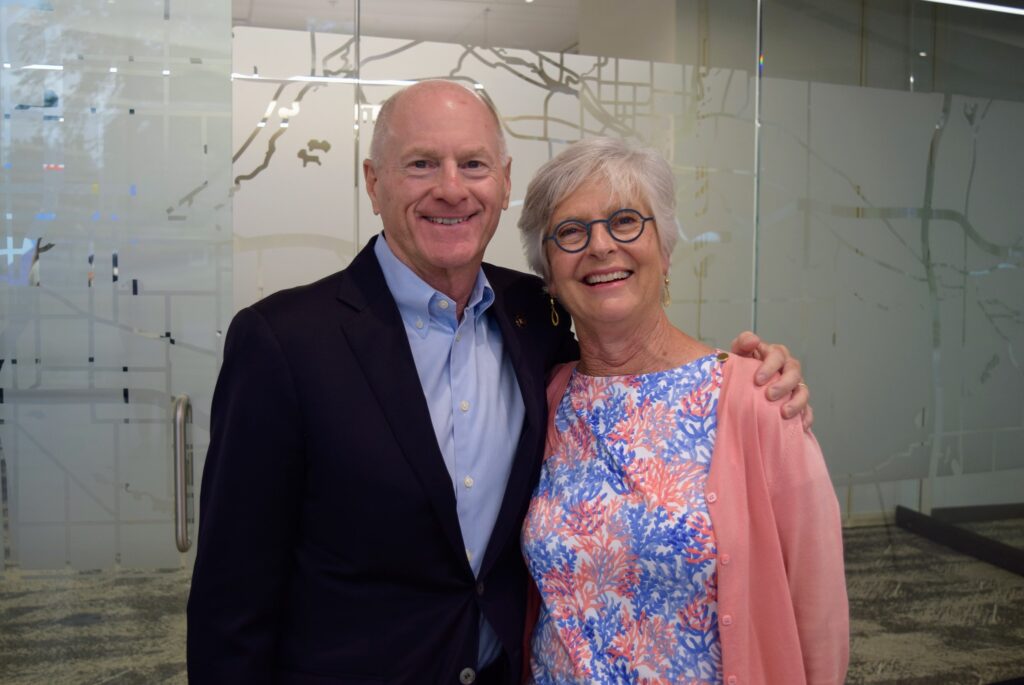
554 313
666 296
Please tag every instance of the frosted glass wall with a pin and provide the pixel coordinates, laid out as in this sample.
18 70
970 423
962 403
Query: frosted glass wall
891 246
115 269
867 219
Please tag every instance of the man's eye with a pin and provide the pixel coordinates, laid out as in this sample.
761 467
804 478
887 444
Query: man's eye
420 164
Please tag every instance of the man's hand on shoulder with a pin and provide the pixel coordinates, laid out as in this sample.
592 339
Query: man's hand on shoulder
780 372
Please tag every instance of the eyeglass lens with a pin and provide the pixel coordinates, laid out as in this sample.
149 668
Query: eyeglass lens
624 225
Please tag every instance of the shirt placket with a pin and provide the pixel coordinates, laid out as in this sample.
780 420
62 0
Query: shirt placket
464 415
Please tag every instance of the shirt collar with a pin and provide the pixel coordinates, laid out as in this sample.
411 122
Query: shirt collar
417 302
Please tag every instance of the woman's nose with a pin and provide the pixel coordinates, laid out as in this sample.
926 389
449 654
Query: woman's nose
601 241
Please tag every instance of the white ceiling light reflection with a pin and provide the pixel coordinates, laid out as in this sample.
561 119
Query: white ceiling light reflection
980 6
322 79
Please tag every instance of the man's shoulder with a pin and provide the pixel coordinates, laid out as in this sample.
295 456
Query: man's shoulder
505 279
361 279
300 299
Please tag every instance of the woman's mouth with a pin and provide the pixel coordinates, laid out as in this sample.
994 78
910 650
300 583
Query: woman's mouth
596 279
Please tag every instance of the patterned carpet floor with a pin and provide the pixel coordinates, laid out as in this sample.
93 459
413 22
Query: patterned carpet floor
920 613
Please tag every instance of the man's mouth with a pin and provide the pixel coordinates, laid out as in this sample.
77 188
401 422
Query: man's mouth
595 279
446 220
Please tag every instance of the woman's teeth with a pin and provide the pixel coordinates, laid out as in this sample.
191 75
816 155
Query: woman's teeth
606 278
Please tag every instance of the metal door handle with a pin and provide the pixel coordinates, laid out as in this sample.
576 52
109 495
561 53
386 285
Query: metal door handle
183 511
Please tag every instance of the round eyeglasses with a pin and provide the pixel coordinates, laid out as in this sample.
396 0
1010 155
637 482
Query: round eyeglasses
624 226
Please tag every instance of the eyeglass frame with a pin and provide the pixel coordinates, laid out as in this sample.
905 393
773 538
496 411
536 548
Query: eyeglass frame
588 227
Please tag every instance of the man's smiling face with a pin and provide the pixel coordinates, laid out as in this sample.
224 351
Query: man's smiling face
440 183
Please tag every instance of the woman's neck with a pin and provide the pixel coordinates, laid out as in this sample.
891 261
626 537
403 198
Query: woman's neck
636 350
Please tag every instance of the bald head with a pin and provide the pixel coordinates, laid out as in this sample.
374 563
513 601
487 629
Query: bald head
420 95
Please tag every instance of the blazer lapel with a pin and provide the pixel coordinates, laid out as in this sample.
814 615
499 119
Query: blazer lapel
527 456
375 332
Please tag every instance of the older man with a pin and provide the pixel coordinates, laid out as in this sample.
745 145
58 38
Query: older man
375 437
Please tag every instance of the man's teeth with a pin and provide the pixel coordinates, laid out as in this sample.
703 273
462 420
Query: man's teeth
447 221
607 278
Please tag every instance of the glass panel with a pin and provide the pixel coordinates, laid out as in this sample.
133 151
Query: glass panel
115 287
117 223
295 167
700 116
890 243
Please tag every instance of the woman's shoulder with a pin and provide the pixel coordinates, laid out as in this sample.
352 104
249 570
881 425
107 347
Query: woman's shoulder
742 402
738 385
753 423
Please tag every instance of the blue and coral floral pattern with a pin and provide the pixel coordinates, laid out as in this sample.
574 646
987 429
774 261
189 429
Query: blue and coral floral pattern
618 537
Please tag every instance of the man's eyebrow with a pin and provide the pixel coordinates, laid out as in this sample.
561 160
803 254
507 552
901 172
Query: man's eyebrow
419 152
431 153
481 151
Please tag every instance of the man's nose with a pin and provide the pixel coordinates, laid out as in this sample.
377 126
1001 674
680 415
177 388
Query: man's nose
451 186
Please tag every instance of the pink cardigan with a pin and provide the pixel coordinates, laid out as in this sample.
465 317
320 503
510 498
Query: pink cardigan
782 611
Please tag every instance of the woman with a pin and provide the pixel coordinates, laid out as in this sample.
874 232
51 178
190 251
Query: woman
681 531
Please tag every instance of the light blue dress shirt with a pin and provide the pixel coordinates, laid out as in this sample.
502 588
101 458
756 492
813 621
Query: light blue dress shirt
474 401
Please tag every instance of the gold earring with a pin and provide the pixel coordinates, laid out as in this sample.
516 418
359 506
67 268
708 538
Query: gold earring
666 296
554 313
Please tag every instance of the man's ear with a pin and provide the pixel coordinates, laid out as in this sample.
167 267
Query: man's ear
370 176
508 183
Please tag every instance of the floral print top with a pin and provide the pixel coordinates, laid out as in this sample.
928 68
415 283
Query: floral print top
618 536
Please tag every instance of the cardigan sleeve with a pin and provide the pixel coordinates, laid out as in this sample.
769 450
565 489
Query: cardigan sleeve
810 534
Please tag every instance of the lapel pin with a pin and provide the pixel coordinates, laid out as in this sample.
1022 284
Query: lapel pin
519 321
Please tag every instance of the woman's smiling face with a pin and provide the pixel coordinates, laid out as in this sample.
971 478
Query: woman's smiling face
608 281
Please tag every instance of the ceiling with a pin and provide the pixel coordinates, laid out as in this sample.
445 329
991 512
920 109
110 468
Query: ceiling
538 25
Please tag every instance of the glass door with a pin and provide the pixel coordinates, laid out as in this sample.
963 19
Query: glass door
115 292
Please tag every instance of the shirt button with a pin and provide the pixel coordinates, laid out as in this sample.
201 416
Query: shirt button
468 481
467 676
464 405
712 497
419 323
458 337
443 304
726 559
727 620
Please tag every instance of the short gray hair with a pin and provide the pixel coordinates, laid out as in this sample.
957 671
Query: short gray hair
631 173
382 127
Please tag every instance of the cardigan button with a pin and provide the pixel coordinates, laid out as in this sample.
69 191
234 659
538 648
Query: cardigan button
712 497
732 680
725 558
727 620
467 676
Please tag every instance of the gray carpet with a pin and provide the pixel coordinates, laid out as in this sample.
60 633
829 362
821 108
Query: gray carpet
920 613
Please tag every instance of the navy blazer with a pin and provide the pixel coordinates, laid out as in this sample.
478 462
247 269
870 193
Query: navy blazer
329 546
